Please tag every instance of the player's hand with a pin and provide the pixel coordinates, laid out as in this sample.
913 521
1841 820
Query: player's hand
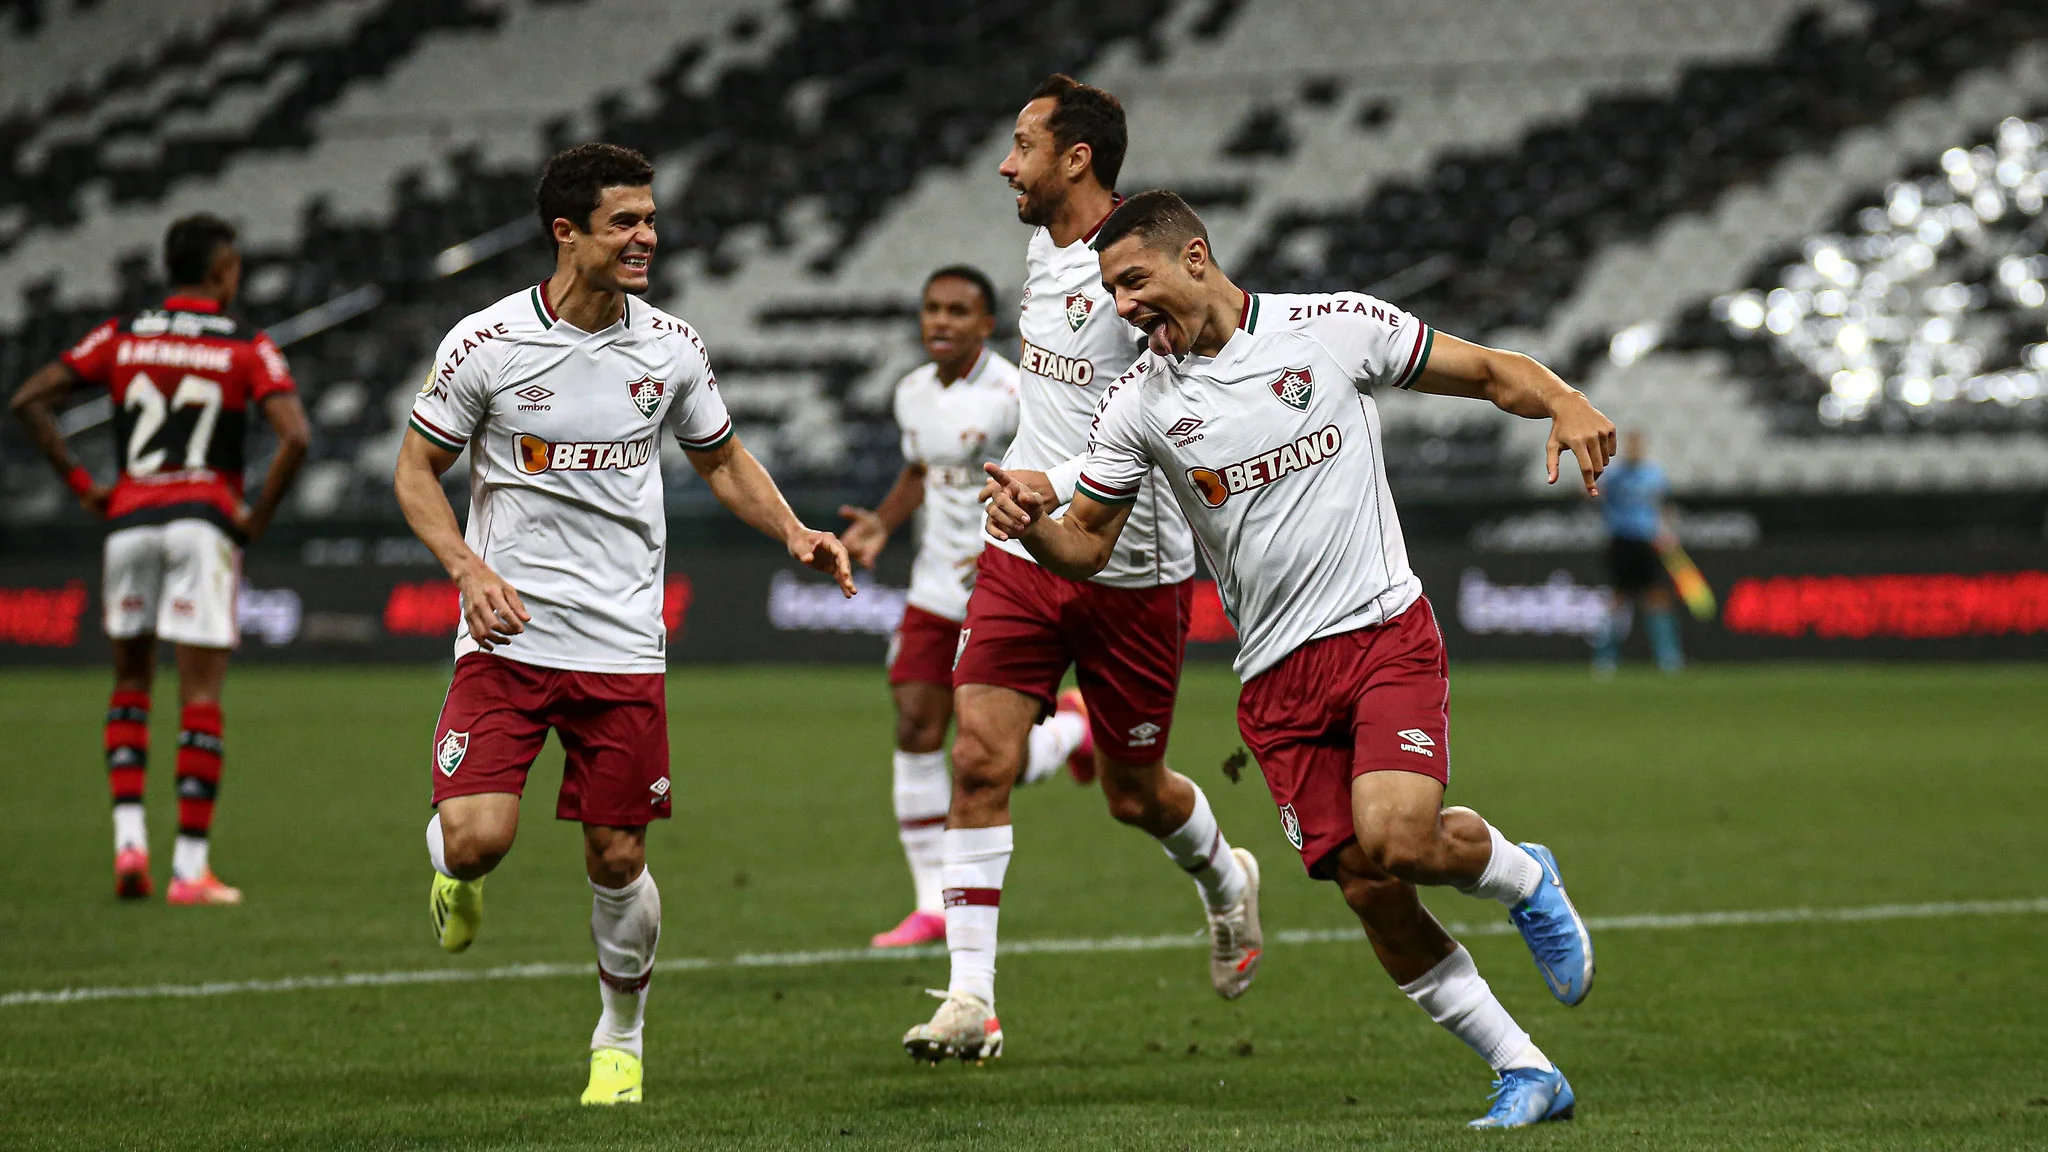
824 552
244 524
1014 507
1037 482
865 535
1578 427
94 500
490 607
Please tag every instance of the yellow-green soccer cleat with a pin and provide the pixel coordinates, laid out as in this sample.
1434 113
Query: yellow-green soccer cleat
614 1077
458 908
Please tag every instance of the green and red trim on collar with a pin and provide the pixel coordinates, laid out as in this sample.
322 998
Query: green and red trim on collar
1248 316
1116 201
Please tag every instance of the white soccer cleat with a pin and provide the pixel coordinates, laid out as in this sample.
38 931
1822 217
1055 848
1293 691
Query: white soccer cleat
1235 938
964 1028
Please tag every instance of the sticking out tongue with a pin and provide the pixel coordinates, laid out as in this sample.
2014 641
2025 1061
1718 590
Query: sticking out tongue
1158 341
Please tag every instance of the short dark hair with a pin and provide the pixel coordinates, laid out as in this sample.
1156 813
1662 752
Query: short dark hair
972 275
1161 220
190 245
575 179
1085 114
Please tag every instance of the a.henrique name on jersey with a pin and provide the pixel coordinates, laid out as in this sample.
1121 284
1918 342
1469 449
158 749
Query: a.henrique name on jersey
537 455
1216 485
1053 366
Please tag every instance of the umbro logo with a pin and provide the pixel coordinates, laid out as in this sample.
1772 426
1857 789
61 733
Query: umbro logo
1417 741
534 396
1145 735
660 789
1183 431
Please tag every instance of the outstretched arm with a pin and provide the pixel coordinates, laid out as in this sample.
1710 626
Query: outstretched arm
1076 547
1517 384
868 531
744 487
35 404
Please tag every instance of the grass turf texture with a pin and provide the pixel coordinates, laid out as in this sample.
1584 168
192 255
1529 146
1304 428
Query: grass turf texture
1726 789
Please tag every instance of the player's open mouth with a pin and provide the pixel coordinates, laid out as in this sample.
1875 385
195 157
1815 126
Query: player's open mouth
636 261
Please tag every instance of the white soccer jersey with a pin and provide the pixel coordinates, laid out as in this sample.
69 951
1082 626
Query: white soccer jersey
1272 448
1074 346
562 428
953 429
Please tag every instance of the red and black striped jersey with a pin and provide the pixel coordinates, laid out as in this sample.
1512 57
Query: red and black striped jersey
183 378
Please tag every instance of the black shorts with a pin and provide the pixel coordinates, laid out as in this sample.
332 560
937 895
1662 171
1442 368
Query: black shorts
1633 566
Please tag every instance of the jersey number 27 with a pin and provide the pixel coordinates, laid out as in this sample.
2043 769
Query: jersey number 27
152 412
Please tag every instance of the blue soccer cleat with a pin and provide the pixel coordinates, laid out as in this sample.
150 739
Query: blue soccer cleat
1555 933
1525 1096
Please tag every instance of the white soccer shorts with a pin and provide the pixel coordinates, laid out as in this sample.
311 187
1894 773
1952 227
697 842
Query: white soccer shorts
177 580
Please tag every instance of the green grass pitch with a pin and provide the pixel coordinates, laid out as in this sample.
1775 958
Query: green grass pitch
1746 788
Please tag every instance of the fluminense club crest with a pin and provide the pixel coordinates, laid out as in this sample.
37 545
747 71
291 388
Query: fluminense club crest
449 752
1290 825
1293 387
1078 308
646 394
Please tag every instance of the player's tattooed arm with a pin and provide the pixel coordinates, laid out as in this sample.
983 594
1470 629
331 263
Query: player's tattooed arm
746 489
1517 384
35 405
1076 547
491 608
868 530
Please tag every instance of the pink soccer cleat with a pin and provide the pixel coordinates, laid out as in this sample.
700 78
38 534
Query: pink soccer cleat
206 890
1081 762
131 874
917 928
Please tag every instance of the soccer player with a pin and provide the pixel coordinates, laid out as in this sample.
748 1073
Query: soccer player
1255 414
561 392
1632 499
183 377
957 412
1123 626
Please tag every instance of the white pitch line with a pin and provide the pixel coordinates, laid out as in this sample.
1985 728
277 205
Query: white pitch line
1644 922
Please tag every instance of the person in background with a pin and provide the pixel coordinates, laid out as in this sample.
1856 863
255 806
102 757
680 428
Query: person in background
1633 495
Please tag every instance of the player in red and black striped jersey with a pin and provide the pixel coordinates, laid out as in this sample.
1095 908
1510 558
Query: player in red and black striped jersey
183 377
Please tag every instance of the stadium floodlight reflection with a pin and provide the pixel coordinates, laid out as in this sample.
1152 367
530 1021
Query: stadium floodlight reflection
1938 304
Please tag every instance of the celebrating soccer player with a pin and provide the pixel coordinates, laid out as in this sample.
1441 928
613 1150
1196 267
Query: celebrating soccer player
957 412
1257 410
561 392
1123 624
183 376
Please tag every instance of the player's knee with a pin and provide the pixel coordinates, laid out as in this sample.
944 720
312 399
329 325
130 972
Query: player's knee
1130 800
1400 853
615 860
978 767
919 733
1364 885
471 850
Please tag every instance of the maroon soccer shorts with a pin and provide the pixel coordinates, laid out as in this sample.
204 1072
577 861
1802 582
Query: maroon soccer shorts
923 648
1372 700
614 728
1025 625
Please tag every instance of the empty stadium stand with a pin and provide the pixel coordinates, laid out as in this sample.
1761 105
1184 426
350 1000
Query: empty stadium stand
1606 183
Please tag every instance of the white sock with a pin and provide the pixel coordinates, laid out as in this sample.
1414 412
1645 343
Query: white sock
1511 874
1199 848
188 858
625 923
1456 996
437 850
1053 739
976 859
924 791
130 830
